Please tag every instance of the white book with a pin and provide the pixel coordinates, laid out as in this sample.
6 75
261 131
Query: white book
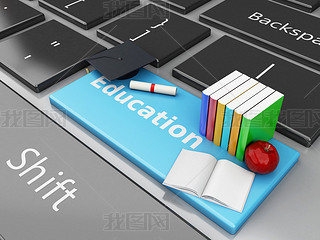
234 94
221 83
260 107
229 87
246 96
254 100
200 174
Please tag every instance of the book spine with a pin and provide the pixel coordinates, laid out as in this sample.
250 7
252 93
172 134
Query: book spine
234 133
226 128
211 118
218 124
243 138
204 114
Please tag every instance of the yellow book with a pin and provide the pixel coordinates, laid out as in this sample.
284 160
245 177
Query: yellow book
218 124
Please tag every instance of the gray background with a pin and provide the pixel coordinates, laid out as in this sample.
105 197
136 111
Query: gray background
289 212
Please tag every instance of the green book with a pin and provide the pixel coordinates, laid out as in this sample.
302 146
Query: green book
259 123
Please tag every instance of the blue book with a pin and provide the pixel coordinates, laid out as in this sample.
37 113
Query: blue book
206 95
227 123
150 130
228 115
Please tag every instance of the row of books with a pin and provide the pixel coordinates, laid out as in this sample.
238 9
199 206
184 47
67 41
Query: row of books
238 110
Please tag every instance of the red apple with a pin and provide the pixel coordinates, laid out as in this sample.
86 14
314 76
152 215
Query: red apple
261 157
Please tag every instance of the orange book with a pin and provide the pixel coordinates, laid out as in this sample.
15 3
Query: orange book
234 134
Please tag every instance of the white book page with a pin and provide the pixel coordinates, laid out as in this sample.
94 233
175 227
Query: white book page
191 172
229 185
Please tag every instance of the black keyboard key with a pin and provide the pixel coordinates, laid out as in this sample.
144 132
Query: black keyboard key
281 29
300 116
162 34
305 5
88 13
46 54
16 16
181 6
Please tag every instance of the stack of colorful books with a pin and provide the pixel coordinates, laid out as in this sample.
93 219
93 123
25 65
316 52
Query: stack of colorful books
238 110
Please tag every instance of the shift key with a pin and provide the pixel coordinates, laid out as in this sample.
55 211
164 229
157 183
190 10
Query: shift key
286 31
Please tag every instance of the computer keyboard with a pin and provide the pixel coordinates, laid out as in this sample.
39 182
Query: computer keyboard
281 29
192 72
161 33
16 16
87 14
181 6
46 54
305 5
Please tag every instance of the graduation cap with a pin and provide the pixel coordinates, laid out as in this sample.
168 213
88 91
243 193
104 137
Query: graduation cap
120 62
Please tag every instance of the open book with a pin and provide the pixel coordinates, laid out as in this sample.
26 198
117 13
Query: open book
201 175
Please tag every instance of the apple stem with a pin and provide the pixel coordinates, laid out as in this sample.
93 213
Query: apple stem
267 149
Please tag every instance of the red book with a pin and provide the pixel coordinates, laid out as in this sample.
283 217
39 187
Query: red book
211 118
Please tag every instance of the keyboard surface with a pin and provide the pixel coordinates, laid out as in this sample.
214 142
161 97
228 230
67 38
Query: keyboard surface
161 33
305 5
16 16
87 14
281 29
46 54
181 6
280 209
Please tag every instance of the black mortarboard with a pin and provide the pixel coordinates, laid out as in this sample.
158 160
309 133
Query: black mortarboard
120 62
